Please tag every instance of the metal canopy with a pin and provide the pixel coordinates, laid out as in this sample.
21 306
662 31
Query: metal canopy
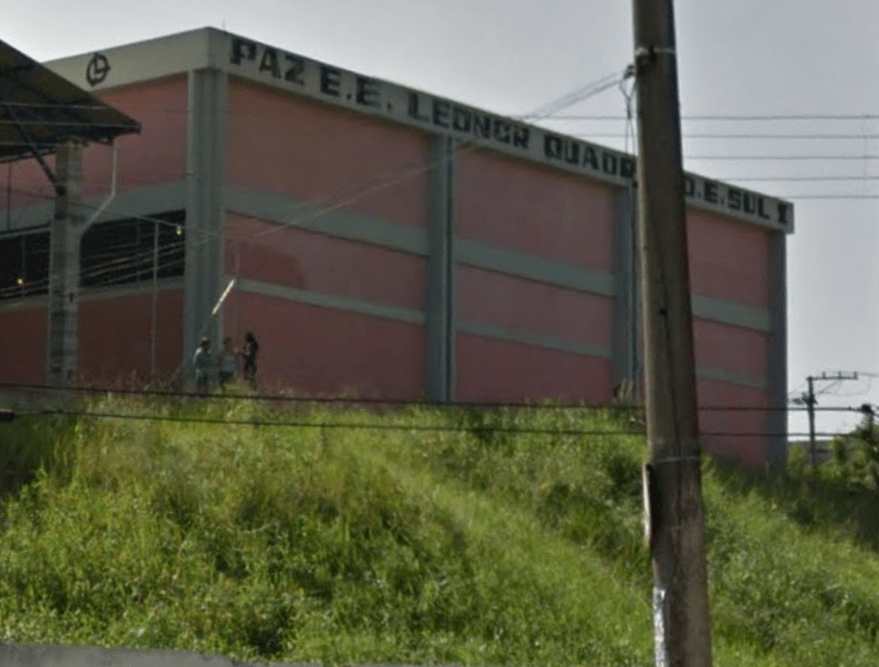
39 110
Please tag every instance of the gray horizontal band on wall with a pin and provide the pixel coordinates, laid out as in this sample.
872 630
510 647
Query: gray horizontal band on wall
111 292
536 339
328 219
87 294
561 345
348 304
726 312
341 223
731 377
139 202
36 302
484 256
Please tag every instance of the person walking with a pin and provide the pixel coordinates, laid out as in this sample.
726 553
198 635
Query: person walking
203 363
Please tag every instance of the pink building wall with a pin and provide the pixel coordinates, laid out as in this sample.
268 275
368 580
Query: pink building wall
25 184
115 337
736 433
155 156
729 259
510 204
488 297
342 163
312 152
731 348
316 262
501 370
316 350
520 206
23 345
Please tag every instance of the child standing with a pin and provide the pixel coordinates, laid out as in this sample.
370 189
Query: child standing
227 362
204 364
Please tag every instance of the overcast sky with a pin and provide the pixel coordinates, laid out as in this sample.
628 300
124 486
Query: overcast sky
744 58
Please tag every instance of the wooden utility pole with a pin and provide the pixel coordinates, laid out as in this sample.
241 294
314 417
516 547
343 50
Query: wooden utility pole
680 595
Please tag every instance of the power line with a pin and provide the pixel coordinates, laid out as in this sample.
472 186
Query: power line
829 197
398 402
798 137
799 178
731 117
577 95
783 157
367 426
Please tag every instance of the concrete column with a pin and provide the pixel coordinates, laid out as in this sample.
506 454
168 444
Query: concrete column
205 206
440 299
777 368
625 343
65 233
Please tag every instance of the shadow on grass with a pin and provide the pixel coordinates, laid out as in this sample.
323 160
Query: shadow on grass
814 499
27 445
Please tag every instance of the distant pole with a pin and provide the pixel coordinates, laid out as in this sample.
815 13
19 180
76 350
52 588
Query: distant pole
681 616
154 313
811 401
810 405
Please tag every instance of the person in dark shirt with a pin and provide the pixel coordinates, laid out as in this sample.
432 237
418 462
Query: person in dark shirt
251 348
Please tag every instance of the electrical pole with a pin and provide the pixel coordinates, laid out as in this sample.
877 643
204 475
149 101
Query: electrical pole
810 406
677 532
65 234
810 402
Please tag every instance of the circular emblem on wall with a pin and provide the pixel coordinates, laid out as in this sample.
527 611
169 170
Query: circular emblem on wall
97 70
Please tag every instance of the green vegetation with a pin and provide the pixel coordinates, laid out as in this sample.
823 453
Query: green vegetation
462 537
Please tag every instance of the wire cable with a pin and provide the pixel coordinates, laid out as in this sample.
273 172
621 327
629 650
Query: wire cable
411 428
276 398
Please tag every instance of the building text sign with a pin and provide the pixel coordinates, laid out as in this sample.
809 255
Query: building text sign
318 80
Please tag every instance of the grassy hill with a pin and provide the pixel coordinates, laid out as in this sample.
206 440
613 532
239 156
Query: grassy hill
415 536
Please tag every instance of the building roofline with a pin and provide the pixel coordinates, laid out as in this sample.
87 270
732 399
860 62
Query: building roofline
264 64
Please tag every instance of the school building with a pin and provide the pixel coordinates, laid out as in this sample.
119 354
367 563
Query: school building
383 242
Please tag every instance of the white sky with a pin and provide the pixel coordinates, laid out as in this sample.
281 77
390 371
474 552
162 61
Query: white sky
749 57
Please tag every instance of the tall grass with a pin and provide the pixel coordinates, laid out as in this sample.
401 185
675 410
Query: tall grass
474 545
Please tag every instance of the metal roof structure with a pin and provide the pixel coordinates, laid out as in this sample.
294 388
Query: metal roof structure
39 110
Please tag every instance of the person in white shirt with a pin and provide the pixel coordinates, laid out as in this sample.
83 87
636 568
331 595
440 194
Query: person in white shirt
203 362
227 362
